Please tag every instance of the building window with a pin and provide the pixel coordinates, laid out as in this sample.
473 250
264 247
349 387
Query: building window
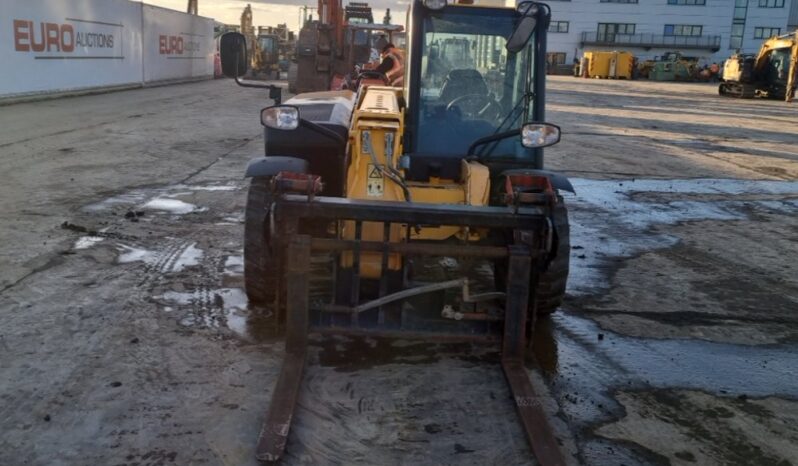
687 2
738 24
619 1
608 31
771 3
683 30
555 58
766 33
558 26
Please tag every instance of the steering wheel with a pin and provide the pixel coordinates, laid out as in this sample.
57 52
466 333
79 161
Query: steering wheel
372 74
472 106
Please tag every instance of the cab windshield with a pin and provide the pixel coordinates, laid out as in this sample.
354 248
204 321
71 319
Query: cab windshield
471 86
266 43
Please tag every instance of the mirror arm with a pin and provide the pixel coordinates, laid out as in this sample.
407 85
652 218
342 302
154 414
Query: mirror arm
491 138
275 92
322 130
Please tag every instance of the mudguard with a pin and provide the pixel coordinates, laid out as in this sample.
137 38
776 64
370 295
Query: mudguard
558 181
272 165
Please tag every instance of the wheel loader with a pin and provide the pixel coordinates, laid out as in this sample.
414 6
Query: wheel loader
773 72
376 182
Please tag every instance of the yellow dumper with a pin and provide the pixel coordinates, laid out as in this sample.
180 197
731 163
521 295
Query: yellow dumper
616 65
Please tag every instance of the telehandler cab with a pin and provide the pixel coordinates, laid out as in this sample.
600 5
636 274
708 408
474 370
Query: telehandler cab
380 179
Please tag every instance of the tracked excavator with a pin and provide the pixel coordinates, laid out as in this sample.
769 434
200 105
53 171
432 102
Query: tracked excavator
376 185
773 72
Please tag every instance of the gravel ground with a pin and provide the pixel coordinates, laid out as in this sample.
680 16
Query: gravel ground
126 338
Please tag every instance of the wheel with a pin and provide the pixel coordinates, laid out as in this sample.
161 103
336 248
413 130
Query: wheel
552 282
261 268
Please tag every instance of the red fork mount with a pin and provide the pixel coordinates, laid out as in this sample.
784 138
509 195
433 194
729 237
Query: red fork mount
525 261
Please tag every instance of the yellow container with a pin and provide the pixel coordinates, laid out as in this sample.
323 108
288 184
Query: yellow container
616 65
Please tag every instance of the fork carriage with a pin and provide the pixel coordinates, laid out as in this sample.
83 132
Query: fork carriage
349 313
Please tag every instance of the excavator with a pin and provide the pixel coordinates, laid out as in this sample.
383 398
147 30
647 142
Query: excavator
773 72
414 212
328 50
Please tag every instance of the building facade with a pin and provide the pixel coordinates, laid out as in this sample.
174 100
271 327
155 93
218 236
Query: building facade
708 29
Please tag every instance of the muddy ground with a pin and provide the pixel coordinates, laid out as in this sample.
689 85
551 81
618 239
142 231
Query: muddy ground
126 338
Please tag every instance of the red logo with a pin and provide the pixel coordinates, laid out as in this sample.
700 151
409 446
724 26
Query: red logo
170 45
50 37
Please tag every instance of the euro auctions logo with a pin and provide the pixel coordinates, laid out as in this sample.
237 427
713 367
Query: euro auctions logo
178 45
71 39
170 45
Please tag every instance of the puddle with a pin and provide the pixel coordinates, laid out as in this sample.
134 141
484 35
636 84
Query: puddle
586 366
130 254
213 308
190 257
159 198
718 368
171 257
85 242
127 199
174 206
234 265
223 187
607 221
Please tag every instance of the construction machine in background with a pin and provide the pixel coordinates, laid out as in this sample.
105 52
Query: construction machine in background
408 196
286 43
269 49
671 66
772 72
329 48
248 30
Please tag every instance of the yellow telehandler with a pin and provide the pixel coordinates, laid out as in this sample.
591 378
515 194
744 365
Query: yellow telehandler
384 177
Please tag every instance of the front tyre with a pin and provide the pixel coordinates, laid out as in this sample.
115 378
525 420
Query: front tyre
551 285
552 282
261 268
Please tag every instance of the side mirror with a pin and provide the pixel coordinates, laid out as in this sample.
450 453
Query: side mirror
233 53
537 135
526 26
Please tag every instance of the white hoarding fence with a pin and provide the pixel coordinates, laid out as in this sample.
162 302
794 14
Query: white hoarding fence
51 46
176 45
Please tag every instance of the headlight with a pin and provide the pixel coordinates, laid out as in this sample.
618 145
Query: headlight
539 135
283 117
435 4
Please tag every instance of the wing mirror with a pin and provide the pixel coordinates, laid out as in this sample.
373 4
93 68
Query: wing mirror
233 54
526 26
537 135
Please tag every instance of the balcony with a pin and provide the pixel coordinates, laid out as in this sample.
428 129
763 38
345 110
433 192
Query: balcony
649 41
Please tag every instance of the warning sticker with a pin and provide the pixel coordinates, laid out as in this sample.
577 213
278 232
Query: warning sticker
375 185
374 172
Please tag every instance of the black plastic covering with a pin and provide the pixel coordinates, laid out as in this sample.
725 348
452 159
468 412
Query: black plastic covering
325 156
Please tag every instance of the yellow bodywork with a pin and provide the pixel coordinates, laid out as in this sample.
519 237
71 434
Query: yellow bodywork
732 71
374 174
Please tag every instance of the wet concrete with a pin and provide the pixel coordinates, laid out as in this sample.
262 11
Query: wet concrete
126 336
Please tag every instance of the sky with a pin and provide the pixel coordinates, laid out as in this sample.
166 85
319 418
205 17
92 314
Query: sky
271 13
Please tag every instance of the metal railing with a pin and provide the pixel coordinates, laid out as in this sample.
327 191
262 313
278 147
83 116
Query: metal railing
650 40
